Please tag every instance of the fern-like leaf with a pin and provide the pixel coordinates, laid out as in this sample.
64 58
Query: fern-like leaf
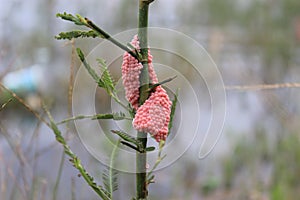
78 20
76 161
106 77
76 34
130 139
110 174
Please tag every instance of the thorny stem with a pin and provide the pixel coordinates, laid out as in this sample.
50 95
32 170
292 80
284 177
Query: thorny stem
141 157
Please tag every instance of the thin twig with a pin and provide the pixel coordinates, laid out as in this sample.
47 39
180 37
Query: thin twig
111 39
15 186
73 189
21 158
113 116
263 86
58 178
158 160
20 100
5 104
71 78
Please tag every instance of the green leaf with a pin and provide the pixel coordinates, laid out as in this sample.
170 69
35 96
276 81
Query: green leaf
131 110
153 86
101 61
131 146
76 34
80 54
150 148
110 175
114 116
78 20
173 109
106 77
129 139
151 179
90 70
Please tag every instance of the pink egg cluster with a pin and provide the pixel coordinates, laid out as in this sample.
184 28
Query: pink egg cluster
154 115
131 70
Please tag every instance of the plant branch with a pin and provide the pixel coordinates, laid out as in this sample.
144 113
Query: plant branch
150 176
76 161
110 38
21 101
114 116
141 158
96 31
5 104
104 82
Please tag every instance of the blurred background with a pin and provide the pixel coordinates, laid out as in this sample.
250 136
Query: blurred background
252 42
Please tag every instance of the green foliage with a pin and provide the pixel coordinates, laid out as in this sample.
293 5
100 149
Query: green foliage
90 70
285 183
129 140
150 149
76 161
76 34
173 109
110 174
278 192
106 78
245 157
81 21
106 81
114 116
78 20
160 157
210 185
153 86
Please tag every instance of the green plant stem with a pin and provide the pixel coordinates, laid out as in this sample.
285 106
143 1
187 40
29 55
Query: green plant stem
141 157
76 161
58 178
